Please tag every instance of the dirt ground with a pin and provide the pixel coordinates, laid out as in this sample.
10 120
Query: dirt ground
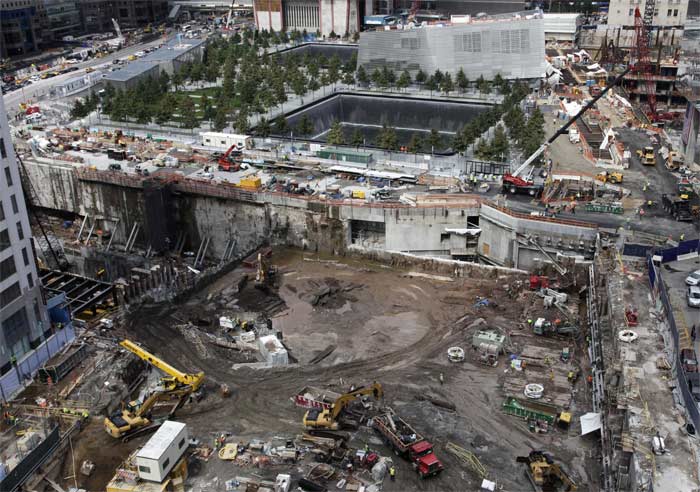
386 326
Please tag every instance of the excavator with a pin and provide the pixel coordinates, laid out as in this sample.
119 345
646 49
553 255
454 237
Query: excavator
135 417
544 474
330 418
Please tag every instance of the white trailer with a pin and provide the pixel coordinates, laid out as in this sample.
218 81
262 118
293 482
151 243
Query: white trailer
224 141
162 451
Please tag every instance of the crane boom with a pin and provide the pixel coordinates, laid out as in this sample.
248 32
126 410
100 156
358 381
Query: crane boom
194 381
572 120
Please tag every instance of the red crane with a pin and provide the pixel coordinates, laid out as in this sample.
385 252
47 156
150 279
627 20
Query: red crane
642 65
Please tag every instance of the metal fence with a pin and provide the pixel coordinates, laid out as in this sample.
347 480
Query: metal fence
660 292
35 458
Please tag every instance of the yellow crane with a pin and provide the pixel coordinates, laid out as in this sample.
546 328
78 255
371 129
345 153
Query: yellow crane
328 418
136 415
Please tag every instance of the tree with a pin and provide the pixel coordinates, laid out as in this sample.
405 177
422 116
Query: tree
164 112
305 126
378 78
314 85
431 84
263 128
178 79
357 138
188 115
241 123
462 80
415 145
220 119
434 140
356 37
280 125
515 121
498 81
483 85
404 80
78 110
446 85
387 138
421 78
335 134
499 144
349 78
298 85
362 77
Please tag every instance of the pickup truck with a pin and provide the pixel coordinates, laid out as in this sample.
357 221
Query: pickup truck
408 444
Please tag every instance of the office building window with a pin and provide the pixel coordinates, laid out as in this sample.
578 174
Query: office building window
10 294
14 329
15 208
7 268
30 280
20 231
8 176
4 240
668 13
675 12
25 256
2 212
3 149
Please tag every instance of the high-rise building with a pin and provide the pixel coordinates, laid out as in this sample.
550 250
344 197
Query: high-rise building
20 27
666 12
29 335
63 18
324 16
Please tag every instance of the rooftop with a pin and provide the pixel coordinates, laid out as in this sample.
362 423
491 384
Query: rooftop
131 70
160 441
172 49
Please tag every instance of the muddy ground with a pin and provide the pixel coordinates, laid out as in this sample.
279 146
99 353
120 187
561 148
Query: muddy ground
386 326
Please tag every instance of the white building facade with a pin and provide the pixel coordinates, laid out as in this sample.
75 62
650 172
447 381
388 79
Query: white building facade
325 16
511 45
666 12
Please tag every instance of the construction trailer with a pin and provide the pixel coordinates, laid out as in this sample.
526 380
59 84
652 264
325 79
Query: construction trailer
224 141
162 451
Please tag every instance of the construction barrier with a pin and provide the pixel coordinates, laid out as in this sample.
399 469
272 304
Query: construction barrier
659 292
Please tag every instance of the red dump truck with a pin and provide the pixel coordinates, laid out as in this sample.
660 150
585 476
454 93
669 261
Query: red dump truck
407 443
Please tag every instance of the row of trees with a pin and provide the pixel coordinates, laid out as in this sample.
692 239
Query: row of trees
437 82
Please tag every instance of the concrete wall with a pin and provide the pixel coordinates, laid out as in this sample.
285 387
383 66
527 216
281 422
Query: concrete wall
503 238
668 12
318 226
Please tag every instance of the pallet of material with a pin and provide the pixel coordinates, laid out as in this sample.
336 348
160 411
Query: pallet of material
557 391
534 355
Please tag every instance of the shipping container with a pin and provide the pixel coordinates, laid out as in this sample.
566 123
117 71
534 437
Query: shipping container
162 451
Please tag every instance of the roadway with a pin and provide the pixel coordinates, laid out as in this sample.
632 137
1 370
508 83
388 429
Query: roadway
42 87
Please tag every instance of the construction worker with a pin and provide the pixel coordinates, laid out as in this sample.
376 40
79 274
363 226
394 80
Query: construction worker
366 448
682 237
392 473
442 379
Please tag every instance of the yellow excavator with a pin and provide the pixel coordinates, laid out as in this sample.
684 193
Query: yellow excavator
545 474
135 415
328 418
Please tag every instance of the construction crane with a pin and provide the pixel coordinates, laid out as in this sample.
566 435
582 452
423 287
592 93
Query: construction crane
135 416
544 474
517 183
329 418
642 64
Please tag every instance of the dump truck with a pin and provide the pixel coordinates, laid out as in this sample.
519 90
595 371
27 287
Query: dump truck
679 208
408 444
647 156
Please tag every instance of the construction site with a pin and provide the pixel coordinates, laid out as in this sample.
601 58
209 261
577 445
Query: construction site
240 312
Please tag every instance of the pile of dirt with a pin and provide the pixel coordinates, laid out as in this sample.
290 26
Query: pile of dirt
329 293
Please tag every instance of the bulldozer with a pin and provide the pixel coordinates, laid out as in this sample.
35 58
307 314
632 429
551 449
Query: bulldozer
544 474
647 156
609 177
329 418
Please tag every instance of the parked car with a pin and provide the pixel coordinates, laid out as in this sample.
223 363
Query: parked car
694 296
689 360
33 117
693 278
115 167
